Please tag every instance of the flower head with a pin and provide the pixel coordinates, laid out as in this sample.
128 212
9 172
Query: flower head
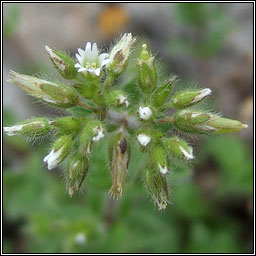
143 139
90 60
145 113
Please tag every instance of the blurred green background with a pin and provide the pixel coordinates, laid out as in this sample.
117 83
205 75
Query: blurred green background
212 200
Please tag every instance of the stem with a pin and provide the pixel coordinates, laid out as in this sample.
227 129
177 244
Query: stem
85 105
108 81
109 214
166 120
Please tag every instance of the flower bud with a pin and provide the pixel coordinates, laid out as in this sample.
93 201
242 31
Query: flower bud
92 132
116 98
67 125
159 157
147 75
59 152
63 63
54 93
145 113
179 148
185 99
162 93
35 127
157 187
143 139
119 55
119 156
204 123
98 97
60 95
76 172
224 125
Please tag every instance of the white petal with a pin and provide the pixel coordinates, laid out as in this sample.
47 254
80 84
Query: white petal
81 52
123 100
48 156
188 154
203 93
88 53
97 71
143 139
88 47
99 133
145 113
79 58
77 65
52 158
102 57
82 69
104 62
163 170
11 131
94 52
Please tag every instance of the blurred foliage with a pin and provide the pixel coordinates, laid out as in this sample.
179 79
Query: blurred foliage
11 20
206 27
235 163
52 222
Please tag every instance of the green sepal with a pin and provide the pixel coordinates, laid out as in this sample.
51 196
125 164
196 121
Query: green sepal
178 148
62 95
162 93
86 90
63 63
77 170
157 187
67 125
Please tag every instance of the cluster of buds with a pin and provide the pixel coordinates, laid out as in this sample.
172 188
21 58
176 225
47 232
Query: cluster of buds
97 106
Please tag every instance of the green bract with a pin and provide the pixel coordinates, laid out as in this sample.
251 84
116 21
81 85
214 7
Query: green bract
98 105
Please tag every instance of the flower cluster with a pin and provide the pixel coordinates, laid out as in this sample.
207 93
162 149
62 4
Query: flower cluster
98 105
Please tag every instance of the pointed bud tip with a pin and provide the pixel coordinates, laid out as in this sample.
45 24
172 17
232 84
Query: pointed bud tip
47 48
245 125
144 46
207 91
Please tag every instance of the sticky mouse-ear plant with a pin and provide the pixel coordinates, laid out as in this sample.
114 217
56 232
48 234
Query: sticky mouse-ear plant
98 105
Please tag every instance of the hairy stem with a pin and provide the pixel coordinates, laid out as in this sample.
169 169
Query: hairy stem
108 81
166 120
85 105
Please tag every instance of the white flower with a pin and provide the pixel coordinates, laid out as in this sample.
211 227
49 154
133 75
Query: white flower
99 133
90 60
162 169
123 100
53 158
80 238
202 94
188 154
143 139
145 113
